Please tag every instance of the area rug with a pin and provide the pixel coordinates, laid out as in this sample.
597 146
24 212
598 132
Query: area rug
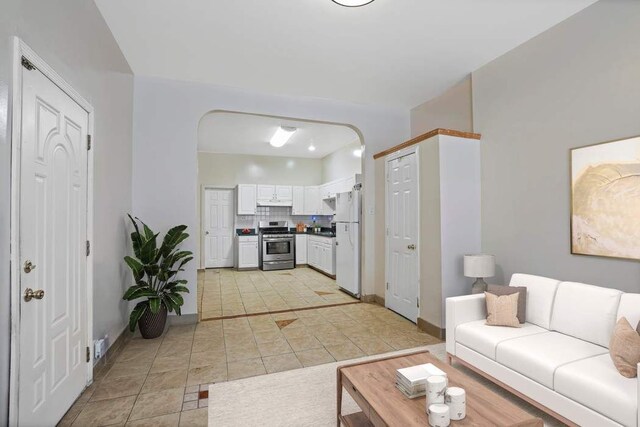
303 397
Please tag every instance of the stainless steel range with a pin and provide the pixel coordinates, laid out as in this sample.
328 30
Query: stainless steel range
277 245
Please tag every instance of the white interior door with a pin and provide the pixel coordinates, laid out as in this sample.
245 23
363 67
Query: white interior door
53 234
402 237
218 228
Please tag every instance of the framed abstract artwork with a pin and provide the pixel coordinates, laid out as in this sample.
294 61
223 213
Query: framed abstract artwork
605 199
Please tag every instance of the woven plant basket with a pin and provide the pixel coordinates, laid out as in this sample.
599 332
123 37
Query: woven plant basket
152 325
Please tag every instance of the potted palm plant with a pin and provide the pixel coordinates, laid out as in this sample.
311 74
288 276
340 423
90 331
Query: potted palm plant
155 271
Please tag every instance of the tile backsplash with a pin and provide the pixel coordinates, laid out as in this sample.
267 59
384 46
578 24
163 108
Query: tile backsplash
280 213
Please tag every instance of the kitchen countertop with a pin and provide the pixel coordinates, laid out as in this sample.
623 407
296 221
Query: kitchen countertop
324 233
240 233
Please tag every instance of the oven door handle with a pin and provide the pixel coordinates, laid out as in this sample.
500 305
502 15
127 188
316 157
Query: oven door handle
278 240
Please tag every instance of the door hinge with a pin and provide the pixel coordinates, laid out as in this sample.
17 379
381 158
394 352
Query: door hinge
88 355
27 64
88 248
88 142
418 302
387 285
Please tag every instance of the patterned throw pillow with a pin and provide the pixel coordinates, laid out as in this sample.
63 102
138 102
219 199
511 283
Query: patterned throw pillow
624 348
508 290
502 310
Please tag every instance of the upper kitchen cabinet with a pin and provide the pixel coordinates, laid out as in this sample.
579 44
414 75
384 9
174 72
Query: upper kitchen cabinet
275 195
246 199
312 200
297 206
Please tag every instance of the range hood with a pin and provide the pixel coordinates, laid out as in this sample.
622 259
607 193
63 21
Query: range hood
275 202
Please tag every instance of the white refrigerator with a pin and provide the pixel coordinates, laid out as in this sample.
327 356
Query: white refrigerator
347 219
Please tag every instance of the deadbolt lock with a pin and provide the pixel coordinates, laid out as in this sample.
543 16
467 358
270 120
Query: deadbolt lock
29 266
30 294
412 247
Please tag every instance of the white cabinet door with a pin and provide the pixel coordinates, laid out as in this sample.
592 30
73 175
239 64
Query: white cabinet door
246 199
314 254
266 192
297 207
324 191
248 252
312 200
301 249
284 193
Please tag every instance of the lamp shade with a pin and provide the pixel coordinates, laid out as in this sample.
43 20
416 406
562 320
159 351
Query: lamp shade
479 266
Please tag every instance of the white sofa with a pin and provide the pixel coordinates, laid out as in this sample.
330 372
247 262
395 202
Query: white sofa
559 359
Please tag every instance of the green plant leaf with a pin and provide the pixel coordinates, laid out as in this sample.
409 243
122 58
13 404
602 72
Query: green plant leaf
148 234
136 314
172 239
152 270
135 266
139 293
175 299
148 250
154 305
176 289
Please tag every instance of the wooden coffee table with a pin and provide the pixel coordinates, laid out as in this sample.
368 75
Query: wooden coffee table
372 386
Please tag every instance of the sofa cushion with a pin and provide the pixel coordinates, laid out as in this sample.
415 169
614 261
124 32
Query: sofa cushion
595 383
540 294
538 356
586 312
630 308
480 337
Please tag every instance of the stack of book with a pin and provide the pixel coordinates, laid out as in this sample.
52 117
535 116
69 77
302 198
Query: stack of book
411 381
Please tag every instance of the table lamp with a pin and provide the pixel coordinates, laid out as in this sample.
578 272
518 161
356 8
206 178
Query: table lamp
479 266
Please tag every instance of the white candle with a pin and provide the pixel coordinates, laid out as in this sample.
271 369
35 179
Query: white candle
439 415
456 399
436 387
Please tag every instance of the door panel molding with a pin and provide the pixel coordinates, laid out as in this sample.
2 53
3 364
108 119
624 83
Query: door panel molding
22 50
415 150
203 216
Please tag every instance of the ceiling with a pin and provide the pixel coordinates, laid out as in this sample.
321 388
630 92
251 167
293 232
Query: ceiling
238 133
390 52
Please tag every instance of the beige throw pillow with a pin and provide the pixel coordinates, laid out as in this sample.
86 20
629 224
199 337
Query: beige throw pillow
624 348
502 310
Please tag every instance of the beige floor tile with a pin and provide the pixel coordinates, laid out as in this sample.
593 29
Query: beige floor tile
165 380
105 412
273 348
171 348
207 374
344 351
373 346
282 362
331 338
168 363
157 403
118 387
267 335
317 356
307 342
195 418
242 352
246 368
128 369
212 357
171 420
210 344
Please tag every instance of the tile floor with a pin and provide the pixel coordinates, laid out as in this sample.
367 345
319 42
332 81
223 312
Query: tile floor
226 292
164 382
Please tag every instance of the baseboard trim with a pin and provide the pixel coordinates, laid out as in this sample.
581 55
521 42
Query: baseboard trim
431 329
185 319
373 299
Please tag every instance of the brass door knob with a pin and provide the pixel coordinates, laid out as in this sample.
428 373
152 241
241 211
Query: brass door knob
30 294
29 266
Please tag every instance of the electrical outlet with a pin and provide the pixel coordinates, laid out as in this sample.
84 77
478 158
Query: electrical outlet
97 348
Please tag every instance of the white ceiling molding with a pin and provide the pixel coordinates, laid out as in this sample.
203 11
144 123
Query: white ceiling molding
239 133
397 53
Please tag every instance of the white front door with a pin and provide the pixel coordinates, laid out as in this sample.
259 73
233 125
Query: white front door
53 233
218 228
402 230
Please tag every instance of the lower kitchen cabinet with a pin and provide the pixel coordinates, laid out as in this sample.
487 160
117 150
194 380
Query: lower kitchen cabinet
321 253
247 252
301 249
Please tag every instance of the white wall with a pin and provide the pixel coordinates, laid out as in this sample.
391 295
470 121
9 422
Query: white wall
74 40
341 163
166 116
574 85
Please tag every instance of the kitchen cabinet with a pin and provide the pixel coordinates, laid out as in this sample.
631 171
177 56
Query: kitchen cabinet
246 200
322 254
247 252
297 204
274 195
301 249
311 200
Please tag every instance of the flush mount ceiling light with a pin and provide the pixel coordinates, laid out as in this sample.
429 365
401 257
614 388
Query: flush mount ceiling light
282 135
352 3
312 147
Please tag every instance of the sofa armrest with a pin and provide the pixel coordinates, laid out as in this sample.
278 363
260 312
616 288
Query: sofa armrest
461 310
